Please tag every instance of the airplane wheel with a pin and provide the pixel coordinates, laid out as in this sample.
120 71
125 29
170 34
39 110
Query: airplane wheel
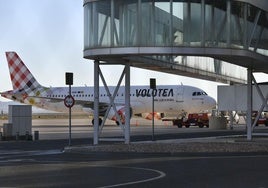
100 121
117 123
200 125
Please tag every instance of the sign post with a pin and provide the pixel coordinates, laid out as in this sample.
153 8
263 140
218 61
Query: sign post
153 87
69 101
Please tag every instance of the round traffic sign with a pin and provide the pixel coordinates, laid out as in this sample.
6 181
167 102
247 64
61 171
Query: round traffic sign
69 101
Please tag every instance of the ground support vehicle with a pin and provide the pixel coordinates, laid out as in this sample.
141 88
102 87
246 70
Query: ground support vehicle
196 119
262 120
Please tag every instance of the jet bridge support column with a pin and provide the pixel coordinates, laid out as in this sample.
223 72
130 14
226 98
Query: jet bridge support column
264 102
127 103
96 103
249 105
97 126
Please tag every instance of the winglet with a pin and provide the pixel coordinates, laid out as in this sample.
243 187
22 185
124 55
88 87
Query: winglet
20 75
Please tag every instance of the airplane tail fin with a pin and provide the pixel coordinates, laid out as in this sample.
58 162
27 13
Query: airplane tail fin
21 77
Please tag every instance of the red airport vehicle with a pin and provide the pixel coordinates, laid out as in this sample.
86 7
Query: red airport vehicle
262 120
195 119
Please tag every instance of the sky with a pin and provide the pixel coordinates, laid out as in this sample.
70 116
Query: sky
48 36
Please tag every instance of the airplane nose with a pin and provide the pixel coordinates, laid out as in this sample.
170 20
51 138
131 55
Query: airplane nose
211 102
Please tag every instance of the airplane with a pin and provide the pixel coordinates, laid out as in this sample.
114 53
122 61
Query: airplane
169 100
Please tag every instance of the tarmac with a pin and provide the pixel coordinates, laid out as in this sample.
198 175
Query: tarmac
51 128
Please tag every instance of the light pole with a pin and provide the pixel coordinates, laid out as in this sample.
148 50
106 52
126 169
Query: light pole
69 101
153 87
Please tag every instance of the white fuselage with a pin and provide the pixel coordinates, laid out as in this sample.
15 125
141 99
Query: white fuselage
171 99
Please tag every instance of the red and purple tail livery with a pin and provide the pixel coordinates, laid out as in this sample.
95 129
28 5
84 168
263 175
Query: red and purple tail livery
20 75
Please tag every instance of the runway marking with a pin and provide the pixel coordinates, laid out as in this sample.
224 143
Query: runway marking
21 170
19 153
161 175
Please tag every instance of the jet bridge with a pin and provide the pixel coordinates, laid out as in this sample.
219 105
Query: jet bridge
218 40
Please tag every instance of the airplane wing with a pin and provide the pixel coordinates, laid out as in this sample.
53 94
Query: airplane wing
90 105
84 104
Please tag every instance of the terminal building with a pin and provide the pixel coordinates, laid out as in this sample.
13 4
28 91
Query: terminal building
217 40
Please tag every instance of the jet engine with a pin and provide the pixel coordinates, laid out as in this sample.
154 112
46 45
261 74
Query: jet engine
150 116
121 113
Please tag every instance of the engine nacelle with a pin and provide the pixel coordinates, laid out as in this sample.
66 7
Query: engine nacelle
121 113
150 116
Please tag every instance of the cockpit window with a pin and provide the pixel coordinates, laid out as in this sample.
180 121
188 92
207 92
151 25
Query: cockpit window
198 93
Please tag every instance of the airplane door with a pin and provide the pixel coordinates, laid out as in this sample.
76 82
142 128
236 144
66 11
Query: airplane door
179 94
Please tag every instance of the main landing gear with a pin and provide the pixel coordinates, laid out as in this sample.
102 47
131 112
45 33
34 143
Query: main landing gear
100 121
